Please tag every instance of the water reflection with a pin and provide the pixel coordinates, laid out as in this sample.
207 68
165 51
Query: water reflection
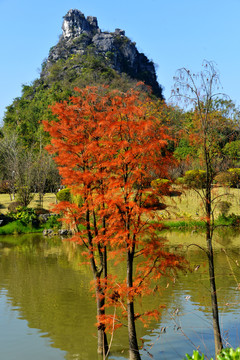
47 310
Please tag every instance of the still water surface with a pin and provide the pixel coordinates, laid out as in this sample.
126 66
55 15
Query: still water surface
47 310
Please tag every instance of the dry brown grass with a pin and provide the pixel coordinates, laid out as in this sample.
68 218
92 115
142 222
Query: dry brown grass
48 201
190 206
186 206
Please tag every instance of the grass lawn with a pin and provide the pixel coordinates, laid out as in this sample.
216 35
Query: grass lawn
48 200
189 205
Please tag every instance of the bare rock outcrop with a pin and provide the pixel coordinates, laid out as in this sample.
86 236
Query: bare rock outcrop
81 34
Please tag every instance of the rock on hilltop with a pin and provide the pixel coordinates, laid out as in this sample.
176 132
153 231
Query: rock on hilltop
84 56
82 36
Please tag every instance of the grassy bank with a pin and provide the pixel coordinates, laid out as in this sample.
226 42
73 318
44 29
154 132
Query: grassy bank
183 213
230 220
20 227
184 224
17 227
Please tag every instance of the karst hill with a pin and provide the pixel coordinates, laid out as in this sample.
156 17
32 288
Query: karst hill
84 55
81 36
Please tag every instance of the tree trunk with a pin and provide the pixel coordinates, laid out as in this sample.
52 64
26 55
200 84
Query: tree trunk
132 336
102 347
216 326
102 337
40 196
209 236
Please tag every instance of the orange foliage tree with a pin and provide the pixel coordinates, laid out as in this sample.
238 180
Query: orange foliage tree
109 146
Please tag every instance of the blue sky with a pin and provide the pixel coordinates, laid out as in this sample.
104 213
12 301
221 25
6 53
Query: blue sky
173 33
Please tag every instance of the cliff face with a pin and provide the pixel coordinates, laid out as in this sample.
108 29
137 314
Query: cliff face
82 35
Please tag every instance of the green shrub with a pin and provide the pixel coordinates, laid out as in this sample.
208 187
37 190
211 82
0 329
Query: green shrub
159 182
180 181
231 178
24 215
229 354
53 222
4 187
230 220
224 178
195 179
195 356
64 195
12 208
77 199
235 177
224 207
161 185
225 354
232 149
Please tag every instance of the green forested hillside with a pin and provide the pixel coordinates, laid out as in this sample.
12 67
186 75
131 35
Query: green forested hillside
25 114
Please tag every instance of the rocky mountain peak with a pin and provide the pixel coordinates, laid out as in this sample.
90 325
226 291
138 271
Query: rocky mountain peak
75 24
81 36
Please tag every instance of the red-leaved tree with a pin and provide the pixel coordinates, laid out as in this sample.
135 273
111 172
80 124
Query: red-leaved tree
109 146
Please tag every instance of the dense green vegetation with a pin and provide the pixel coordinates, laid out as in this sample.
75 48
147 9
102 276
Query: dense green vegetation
226 354
17 227
26 113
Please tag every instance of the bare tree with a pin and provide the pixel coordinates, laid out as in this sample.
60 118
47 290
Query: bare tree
25 178
44 174
200 90
9 161
16 166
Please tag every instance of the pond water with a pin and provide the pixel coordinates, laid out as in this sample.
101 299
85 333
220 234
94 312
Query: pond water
47 310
